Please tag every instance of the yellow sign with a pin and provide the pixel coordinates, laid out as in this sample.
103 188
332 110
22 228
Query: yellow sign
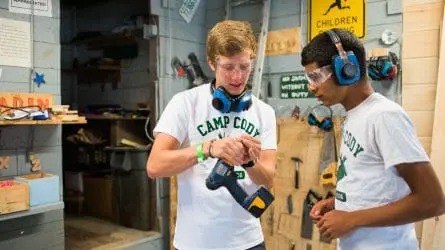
283 42
344 14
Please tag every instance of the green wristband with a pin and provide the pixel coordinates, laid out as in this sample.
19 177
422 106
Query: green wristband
199 154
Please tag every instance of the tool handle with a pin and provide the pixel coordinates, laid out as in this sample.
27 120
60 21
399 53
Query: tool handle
296 179
237 191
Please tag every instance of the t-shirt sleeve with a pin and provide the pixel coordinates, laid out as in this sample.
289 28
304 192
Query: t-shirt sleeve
173 119
397 139
268 134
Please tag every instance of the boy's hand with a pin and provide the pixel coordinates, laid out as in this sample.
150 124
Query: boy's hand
230 149
253 147
335 224
321 207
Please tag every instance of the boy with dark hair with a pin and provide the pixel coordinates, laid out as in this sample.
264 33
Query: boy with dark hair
385 181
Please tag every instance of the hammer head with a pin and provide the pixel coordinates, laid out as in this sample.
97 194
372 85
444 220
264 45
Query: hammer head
296 159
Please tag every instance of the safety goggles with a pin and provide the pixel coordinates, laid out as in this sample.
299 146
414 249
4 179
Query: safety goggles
231 67
318 76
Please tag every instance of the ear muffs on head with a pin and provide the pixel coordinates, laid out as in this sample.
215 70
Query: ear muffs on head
345 64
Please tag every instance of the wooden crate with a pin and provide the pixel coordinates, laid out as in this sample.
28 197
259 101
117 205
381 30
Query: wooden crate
14 196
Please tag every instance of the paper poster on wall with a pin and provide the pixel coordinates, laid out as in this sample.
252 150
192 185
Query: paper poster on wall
36 7
15 43
188 9
295 86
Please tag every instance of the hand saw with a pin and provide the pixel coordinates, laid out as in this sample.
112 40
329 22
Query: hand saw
328 161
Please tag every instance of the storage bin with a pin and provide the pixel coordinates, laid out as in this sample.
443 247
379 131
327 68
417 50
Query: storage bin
14 196
44 188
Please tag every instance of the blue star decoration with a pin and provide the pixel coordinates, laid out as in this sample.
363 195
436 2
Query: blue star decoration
38 79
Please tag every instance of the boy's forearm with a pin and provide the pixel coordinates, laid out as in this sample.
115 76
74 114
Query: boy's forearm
407 210
260 174
166 163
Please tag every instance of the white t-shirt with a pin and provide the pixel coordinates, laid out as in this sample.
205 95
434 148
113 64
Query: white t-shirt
206 219
376 136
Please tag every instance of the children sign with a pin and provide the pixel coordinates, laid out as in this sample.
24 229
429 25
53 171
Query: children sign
294 87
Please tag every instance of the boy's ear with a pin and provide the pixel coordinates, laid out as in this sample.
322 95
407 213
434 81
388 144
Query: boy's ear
212 67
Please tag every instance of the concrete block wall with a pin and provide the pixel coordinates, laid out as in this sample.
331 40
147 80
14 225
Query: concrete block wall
41 231
134 85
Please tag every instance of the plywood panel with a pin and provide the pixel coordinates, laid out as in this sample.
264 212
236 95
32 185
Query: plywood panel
281 228
420 70
407 3
419 97
426 143
434 229
423 120
422 17
420 44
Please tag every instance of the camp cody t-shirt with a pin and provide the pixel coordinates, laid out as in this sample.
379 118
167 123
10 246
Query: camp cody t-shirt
206 219
376 136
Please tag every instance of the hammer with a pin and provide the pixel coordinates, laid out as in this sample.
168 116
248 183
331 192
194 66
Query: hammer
297 168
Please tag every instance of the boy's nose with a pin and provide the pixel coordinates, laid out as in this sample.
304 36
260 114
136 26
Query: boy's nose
312 87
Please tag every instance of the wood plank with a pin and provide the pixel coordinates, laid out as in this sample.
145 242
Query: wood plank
420 70
433 235
426 143
407 3
419 97
426 16
423 120
419 44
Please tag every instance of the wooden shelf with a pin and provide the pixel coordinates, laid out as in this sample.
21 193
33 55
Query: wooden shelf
33 210
45 122
104 117
111 40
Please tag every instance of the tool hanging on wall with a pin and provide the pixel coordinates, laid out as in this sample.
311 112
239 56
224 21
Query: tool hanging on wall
191 68
297 162
316 112
383 68
312 197
328 161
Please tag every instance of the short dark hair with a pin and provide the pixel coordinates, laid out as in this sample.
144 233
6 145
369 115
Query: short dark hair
321 49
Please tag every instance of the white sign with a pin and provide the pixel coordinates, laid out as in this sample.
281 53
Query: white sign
188 9
15 43
36 7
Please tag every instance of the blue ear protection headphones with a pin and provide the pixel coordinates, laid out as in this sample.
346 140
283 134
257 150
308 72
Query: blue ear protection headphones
226 103
326 124
383 67
345 64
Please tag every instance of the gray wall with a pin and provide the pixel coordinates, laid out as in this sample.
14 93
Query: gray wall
381 15
43 231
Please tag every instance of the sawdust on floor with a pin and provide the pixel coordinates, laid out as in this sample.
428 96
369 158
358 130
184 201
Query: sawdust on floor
89 233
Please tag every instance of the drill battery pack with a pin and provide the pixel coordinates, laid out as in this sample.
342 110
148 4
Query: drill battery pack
258 202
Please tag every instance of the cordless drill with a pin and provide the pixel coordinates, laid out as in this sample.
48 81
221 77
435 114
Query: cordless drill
223 175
